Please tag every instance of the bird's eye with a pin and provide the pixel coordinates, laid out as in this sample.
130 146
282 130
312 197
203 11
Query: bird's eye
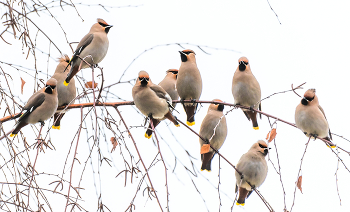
103 24
53 86
261 146
309 99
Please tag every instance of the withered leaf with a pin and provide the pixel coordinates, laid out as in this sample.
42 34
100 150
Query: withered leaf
22 85
205 148
271 135
89 84
299 183
114 143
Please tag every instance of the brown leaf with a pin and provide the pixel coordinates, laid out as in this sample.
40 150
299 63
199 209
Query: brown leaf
271 135
89 84
299 183
205 148
22 85
114 143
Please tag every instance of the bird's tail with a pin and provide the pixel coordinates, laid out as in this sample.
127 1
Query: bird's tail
18 128
242 195
73 71
252 115
172 119
206 161
57 120
149 131
190 112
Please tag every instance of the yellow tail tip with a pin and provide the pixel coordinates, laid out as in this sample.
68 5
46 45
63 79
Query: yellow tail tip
65 83
177 125
190 123
12 135
255 128
148 136
239 203
206 170
331 146
56 127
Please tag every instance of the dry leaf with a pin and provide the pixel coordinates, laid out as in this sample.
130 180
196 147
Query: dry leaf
89 84
22 85
271 135
114 143
205 148
299 183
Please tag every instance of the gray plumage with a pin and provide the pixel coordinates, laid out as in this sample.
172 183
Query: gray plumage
40 106
92 48
210 121
310 117
253 166
152 100
189 83
168 84
66 94
246 89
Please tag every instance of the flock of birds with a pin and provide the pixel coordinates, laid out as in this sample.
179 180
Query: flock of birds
155 102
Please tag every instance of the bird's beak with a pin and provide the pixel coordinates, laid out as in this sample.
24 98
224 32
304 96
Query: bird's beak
107 28
242 66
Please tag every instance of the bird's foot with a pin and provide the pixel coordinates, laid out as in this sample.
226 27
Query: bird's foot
314 135
42 123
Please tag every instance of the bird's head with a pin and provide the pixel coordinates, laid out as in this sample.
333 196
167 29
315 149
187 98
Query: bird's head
187 54
261 147
143 78
243 63
309 96
216 106
172 73
50 85
101 26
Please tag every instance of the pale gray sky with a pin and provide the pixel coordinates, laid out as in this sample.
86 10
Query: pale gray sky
311 45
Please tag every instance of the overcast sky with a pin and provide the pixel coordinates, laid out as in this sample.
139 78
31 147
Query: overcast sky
310 45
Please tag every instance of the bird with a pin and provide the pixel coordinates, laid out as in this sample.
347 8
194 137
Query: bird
189 83
66 94
168 84
310 117
214 119
92 48
246 90
39 107
253 167
151 99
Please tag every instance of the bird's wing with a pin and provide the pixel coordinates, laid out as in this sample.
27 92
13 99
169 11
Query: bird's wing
161 93
322 111
31 105
87 39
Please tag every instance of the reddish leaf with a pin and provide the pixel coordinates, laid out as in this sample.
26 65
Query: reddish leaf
89 84
299 183
114 143
205 148
22 85
271 135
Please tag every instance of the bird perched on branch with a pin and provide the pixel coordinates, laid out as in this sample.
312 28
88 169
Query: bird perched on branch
310 117
168 84
214 130
152 100
92 48
246 90
40 106
66 94
253 167
189 83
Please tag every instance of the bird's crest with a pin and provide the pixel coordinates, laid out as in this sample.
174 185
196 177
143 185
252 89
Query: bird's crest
64 58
